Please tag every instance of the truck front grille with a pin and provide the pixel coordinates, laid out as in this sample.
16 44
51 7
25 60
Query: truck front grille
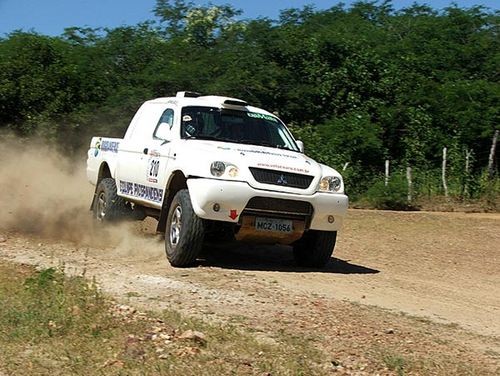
279 206
285 179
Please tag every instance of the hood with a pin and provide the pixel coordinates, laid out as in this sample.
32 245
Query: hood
244 155
199 155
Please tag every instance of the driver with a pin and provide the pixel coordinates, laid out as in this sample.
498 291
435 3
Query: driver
190 126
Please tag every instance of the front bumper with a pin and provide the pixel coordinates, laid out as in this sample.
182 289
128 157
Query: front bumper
233 196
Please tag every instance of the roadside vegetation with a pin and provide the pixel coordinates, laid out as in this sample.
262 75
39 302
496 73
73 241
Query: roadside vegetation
58 325
360 85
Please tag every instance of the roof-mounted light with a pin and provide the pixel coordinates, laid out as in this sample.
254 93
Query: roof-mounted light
235 102
187 94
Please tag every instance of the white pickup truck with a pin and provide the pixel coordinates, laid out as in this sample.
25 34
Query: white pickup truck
213 168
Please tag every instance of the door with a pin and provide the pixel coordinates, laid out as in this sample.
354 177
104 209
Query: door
145 155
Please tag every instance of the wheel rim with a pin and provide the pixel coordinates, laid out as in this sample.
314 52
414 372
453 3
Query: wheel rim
101 206
175 226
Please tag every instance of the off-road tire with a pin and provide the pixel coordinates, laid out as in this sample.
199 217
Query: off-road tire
108 206
184 232
315 248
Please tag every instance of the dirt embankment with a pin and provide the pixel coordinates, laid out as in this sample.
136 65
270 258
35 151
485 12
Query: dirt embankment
422 287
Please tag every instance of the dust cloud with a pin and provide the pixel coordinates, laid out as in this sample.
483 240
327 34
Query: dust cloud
46 194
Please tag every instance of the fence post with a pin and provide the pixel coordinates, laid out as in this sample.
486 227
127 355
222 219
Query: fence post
443 175
468 154
408 178
491 158
386 172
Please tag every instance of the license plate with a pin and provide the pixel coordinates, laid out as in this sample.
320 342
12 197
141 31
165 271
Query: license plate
273 224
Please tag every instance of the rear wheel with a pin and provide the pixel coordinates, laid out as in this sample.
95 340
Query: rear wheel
315 248
108 206
184 232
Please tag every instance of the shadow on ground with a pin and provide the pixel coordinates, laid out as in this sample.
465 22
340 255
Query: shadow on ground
272 258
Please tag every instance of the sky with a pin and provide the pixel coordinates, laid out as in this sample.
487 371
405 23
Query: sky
50 17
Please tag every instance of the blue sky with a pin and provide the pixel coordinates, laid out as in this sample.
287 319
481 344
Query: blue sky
50 17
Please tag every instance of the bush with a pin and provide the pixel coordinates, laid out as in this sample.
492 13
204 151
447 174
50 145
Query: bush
393 196
489 189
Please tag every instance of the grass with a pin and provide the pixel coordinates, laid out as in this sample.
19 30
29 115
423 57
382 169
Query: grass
396 363
52 324
59 325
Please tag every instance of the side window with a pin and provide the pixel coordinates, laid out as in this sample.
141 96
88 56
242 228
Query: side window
162 130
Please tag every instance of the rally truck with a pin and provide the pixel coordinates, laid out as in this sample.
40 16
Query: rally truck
216 169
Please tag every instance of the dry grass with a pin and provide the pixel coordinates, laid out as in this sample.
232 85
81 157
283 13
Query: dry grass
51 324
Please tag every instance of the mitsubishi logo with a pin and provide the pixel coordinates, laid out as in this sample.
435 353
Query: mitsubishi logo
282 180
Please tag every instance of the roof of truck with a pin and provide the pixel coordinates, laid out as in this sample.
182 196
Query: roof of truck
208 101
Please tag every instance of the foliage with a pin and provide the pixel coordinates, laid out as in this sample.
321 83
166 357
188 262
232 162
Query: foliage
47 307
359 84
392 196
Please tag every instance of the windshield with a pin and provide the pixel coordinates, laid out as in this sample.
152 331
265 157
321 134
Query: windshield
209 123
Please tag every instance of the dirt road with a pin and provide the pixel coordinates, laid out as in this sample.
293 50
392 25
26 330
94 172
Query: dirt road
411 284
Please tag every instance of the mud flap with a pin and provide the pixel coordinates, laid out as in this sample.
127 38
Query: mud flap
93 199
162 221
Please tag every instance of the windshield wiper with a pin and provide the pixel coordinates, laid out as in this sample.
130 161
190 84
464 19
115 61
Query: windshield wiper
244 141
284 147
265 143
210 138
258 143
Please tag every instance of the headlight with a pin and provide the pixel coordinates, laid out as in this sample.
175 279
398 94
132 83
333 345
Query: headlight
330 184
218 169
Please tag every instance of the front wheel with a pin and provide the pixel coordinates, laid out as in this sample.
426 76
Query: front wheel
185 231
315 248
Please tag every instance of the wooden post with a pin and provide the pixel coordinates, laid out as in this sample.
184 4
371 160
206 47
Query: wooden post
408 178
491 159
386 172
468 154
443 175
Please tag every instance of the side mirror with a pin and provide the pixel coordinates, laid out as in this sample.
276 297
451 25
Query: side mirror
300 144
163 132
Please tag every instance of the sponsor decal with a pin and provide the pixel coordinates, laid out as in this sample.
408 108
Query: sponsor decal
154 153
153 169
281 167
256 151
111 146
256 115
141 191
97 147
105 145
